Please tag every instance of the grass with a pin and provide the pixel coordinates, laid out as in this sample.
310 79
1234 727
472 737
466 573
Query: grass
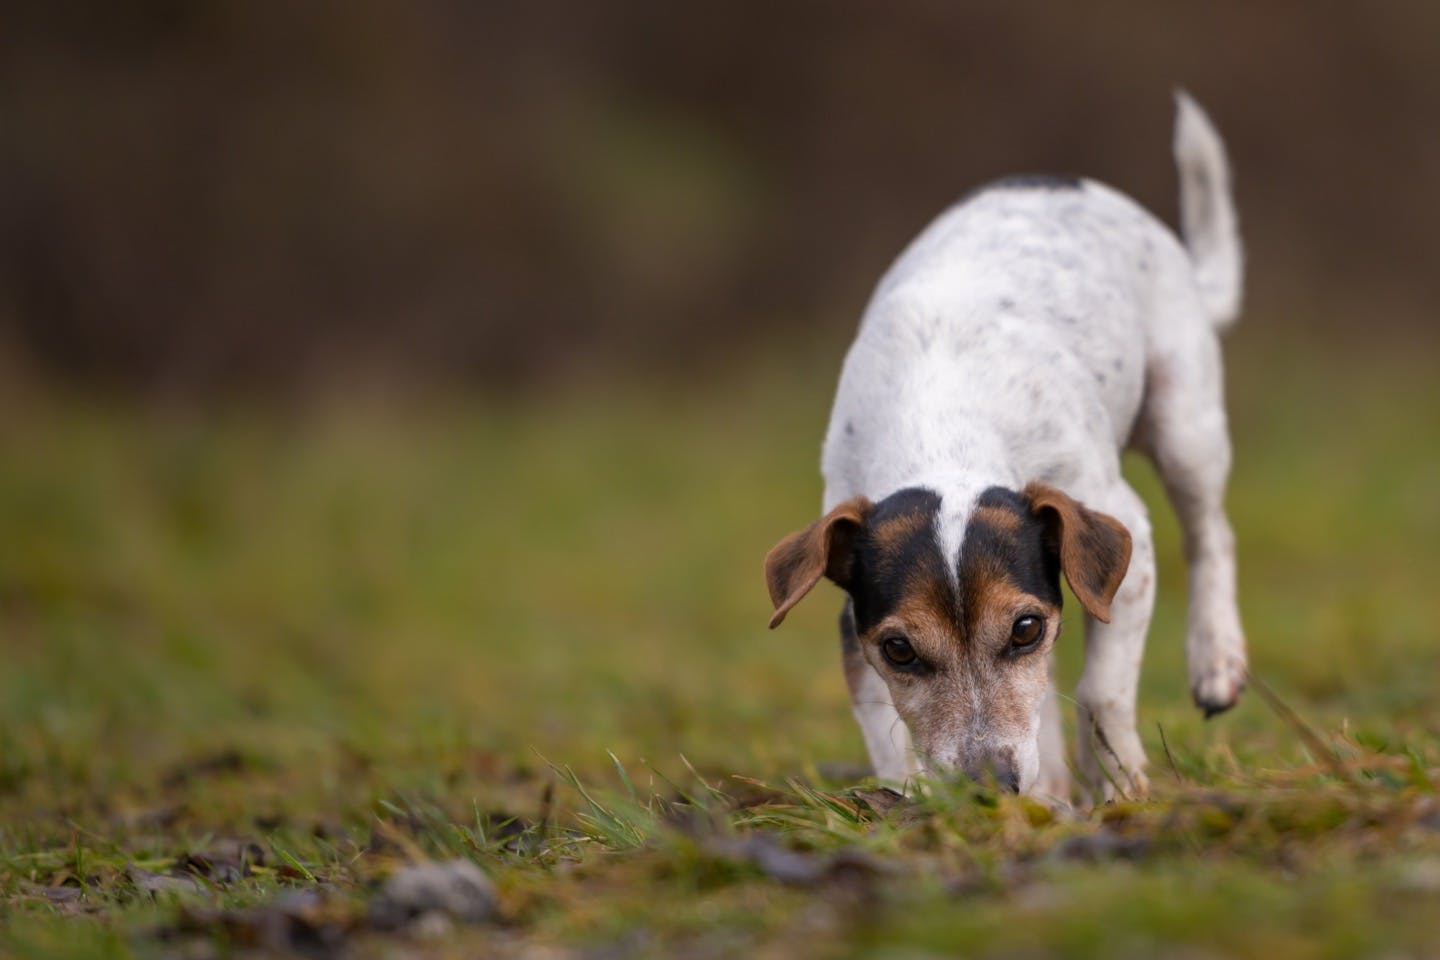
251 652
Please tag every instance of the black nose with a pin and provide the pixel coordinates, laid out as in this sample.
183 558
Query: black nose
1007 777
1001 770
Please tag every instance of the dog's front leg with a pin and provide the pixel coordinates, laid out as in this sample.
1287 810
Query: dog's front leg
1054 781
1111 756
887 739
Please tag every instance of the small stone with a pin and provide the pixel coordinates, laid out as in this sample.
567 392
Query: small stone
456 889
160 884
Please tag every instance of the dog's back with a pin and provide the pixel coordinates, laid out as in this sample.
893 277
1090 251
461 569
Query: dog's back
1016 328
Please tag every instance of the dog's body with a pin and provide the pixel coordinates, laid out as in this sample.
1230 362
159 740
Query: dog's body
1029 335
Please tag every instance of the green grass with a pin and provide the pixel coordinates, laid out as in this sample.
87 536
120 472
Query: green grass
533 634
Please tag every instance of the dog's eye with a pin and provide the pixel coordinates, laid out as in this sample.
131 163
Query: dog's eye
898 652
1026 633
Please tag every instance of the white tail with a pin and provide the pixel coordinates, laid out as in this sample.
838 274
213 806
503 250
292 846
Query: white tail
1207 211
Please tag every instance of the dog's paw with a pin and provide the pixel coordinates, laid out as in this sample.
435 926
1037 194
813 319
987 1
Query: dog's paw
1115 786
1217 687
1112 767
1052 785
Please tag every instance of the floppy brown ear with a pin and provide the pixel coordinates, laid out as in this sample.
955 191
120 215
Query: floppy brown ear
1094 547
797 563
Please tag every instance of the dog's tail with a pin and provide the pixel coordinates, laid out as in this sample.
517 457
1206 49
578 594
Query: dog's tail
1207 211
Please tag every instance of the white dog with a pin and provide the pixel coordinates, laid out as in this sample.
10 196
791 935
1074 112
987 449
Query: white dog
1031 333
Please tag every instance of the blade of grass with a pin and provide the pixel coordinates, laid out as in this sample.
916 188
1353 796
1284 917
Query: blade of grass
1312 740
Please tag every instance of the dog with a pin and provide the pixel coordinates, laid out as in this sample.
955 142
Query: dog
1030 334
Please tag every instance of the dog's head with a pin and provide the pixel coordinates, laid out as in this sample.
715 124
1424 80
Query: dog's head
962 641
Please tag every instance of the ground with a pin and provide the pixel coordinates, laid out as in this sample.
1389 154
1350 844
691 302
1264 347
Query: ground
255 661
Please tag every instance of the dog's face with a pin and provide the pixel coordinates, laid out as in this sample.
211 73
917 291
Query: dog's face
962 642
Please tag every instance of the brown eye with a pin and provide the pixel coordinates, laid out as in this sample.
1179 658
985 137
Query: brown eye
898 652
1026 633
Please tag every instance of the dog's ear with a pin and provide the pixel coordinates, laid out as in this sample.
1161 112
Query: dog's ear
1094 548
825 548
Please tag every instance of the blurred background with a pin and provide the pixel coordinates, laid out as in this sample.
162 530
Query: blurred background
399 397
226 197
401 385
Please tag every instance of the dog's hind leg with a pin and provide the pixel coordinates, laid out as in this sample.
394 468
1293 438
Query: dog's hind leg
1183 428
887 739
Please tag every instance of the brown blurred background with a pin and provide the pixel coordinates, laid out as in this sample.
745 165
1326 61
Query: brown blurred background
211 197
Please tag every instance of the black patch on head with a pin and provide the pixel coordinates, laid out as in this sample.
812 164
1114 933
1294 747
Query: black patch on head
904 504
1021 547
896 554
1027 181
